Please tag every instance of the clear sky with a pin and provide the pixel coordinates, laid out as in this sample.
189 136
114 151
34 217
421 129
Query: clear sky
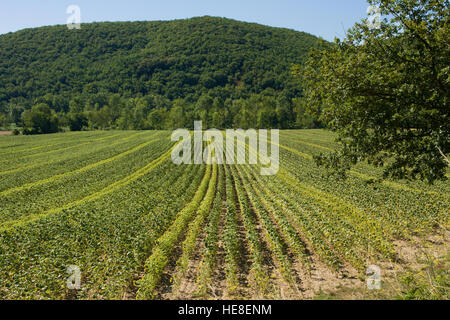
325 18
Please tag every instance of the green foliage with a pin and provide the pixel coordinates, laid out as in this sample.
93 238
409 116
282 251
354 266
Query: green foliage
40 119
385 91
119 73
3 121
232 248
77 121
113 203
160 257
431 282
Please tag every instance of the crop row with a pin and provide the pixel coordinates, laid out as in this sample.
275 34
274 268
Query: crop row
259 278
162 252
211 241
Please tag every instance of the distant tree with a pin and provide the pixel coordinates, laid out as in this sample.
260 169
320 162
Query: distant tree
245 119
207 80
203 109
14 113
157 119
76 105
176 115
40 119
104 117
63 119
385 90
267 118
116 104
100 119
3 120
205 102
140 112
217 119
77 121
125 121
303 119
283 116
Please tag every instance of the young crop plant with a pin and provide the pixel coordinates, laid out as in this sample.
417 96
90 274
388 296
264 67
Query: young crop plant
289 233
270 230
258 273
158 260
211 241
233 248
195 227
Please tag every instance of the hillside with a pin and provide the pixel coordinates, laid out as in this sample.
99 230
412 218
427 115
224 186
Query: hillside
160 60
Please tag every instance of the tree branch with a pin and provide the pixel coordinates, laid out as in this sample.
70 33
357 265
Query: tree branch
445 157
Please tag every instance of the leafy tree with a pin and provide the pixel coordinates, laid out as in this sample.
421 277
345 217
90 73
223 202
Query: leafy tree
3 121
63 119
157 119
125 121
40 119
140 111
303 118
283 116
385 90
116 104
14 113
176 115
77 121
267 118
217 119
100 119
76 105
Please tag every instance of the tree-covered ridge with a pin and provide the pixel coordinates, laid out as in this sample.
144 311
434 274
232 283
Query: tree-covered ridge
135 74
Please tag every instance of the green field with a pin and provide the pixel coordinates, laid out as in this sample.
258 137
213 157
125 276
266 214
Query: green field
138 226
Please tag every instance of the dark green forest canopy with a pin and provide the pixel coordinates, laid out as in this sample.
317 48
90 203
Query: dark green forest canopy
240 72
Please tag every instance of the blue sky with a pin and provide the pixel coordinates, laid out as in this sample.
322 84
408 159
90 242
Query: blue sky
325 18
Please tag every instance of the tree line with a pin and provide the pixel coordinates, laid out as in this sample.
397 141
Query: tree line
140 113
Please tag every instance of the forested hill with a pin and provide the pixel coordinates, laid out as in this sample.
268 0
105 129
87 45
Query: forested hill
201 65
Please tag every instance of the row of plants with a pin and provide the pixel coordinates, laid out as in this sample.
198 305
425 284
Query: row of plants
270 231
231 244
18 142
50 149
163 250
399 212
194 229
258 277
303 146
45 166
213 235
289 233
